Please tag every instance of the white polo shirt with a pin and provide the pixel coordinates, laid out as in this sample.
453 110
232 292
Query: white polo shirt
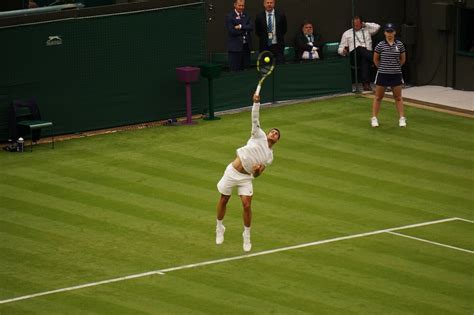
363 37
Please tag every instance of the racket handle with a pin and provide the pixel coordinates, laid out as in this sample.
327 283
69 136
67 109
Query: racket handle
257 91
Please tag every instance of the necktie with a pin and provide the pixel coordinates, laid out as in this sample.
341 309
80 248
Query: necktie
270 23
270 29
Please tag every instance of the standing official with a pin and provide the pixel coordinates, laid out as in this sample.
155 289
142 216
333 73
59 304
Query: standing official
239 27
389 57
271 27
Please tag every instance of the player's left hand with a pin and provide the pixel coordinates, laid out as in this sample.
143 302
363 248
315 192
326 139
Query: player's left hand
258 169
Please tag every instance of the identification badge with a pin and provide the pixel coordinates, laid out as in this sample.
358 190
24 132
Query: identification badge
270 35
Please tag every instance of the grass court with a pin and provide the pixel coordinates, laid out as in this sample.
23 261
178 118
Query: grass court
348 219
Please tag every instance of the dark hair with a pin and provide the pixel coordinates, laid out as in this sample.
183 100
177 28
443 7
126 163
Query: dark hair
306 22
279 133
357 17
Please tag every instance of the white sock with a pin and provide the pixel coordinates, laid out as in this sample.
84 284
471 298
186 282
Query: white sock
247 230
219 222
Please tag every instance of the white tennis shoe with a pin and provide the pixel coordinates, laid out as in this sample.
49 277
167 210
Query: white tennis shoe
402 122
374 122
247 245
220 234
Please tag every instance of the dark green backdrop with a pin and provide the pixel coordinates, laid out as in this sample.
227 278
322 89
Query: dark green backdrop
289 81
115 70
109 71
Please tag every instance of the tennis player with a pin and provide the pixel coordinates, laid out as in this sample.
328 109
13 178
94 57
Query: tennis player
251 161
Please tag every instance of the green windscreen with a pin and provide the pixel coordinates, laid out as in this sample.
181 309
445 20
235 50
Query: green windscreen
97 72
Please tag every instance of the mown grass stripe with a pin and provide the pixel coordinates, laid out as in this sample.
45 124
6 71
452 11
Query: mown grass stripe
71 220
354 286
415 148
323 193
156 233
344 261
337 176
143 208
141 194
247 287
374 162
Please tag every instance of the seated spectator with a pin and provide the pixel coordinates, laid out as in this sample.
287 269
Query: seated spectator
363 32
307 44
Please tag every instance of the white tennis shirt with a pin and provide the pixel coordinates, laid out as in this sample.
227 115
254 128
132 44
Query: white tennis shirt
256 151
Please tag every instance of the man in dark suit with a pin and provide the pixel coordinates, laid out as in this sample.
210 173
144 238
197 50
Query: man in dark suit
271 27
239 27
307 45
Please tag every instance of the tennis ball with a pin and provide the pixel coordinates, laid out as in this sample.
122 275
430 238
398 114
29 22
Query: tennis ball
266 59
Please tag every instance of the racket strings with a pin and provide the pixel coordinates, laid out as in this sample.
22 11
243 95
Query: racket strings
265 70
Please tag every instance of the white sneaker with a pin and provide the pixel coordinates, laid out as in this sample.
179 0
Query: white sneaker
247 245
220 234
374 122
402 122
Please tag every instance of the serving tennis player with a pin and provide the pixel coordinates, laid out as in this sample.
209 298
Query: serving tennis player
250 162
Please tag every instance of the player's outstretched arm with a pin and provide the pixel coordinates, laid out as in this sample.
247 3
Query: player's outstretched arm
255 114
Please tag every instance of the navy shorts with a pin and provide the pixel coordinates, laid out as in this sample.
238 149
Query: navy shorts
385 79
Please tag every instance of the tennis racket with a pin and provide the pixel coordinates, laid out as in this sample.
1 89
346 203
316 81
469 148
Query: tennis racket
265 66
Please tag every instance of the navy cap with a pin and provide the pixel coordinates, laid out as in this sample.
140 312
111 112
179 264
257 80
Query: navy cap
389 27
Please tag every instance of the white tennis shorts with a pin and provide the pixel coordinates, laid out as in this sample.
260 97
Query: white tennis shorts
233 178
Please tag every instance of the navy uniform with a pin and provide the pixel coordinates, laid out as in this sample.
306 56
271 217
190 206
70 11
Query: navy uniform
389 72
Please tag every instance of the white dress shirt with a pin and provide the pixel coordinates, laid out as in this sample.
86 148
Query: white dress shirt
363 38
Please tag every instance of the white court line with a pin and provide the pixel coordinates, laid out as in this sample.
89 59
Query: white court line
211 262
431 242
465 220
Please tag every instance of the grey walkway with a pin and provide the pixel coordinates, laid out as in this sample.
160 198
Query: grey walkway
440 96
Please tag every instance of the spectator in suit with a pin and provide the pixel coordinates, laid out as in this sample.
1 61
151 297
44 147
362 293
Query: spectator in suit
239 27
271 27
307 44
